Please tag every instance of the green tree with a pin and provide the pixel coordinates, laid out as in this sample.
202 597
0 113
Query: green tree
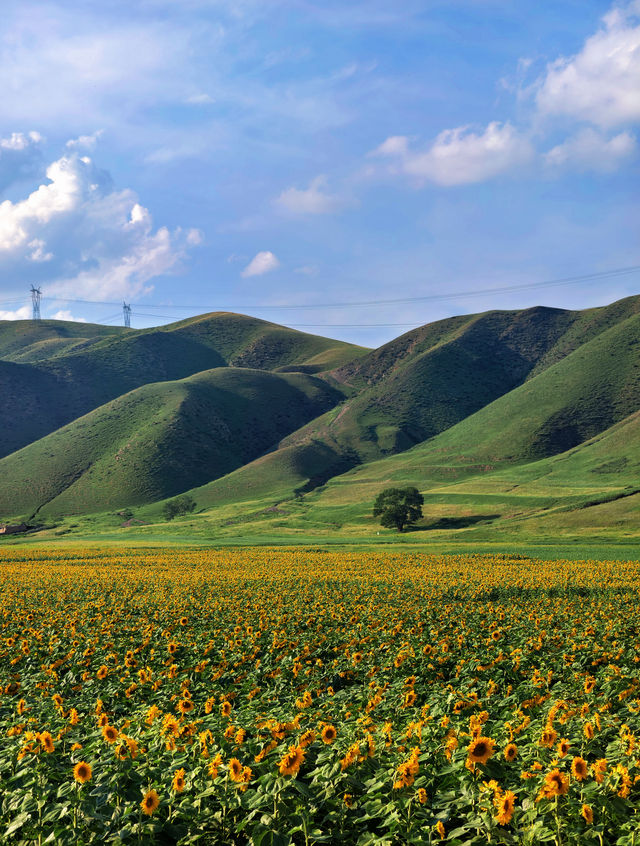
398 507
180 505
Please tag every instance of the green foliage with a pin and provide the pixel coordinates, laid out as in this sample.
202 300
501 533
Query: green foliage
398 507
179 506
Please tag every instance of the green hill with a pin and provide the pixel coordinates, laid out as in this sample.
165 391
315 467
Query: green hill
37 340
451 377
73 382
466 409
159 440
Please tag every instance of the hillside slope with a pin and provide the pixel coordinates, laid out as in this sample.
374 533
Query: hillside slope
582 396
37 340
159 440
72 383
422 382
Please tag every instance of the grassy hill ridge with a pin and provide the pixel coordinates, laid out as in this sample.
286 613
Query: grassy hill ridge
78 380
159 440
571 401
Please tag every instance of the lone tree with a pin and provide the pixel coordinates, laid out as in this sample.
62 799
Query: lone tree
398 507
178 506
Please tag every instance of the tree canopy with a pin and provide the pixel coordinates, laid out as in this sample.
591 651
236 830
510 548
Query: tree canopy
398 507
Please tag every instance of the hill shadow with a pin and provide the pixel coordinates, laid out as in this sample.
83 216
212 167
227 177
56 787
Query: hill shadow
457 522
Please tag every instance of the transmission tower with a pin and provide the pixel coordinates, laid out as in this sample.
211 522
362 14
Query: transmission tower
126 311
36 293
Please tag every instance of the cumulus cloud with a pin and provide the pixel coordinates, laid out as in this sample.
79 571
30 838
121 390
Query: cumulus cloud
22 313
76 235
589 149
87 142
199 99
601 83
261 263
65 314
461 156
311 200
39 251
20 157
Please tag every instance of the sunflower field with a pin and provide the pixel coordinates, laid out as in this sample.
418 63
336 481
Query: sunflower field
304 696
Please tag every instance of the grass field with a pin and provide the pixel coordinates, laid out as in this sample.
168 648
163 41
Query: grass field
308 696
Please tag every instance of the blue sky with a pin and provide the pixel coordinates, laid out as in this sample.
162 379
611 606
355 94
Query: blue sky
192 155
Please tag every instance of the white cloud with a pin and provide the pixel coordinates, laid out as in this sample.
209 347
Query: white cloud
396 145
199 99
600 84
307 270
86 238
23 313
65 314
311 200
591 150
87 142
460 156
20 156
20 140
261 263
38 250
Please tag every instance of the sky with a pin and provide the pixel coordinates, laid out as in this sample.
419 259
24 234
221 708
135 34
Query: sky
294 159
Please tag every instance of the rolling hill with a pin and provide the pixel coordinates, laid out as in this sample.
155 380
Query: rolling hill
229 407
159 440
442 371
41 396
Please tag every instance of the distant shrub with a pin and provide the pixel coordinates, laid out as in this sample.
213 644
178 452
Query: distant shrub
177 507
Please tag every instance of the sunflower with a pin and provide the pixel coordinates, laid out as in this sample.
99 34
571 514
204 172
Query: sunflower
480 750
563 747
225 709
290 763
214 766
587 813
184 706
410 699
328 734
46 741
110 733
588 731
504 804
510 751
307 737
599 769
555 784
178 780
422 795
440 829
579 768
82 772
235 769
102 672
150 802
548 737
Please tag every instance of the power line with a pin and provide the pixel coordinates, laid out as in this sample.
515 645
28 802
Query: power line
567 280
306 325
